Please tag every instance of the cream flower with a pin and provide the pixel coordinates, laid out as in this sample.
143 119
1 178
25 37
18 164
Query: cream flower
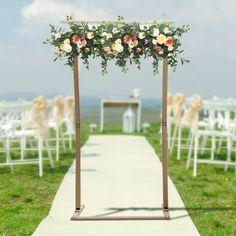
107 49
118 41
117 46
67 47
170 48
141 35
107 35
90 35
57 36
166 30
154 41
66 41
62 47
102 41
156 32
115 30
161 39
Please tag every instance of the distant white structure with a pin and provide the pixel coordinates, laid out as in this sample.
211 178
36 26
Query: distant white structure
93 128
145 127
129 121
133 103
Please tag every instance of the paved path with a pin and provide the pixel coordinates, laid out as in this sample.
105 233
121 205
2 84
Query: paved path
121 175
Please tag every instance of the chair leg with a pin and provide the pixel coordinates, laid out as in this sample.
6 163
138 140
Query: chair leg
57 144
22 148
8 154
229 145
204 142
189 137
173 139
31 146
49 153
213 145
40 152
195 156
179 141
190 151
62 139
219 145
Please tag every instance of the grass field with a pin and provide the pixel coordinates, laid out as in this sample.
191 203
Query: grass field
210 199
25 198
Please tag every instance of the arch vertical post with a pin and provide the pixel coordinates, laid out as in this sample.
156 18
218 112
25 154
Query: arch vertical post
164 136
77 132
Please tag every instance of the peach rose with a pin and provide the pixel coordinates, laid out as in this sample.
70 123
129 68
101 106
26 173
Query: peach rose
87 50
126 39
138 50
75 39
169 41
135 42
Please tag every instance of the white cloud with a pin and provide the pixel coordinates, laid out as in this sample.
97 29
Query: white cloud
39 13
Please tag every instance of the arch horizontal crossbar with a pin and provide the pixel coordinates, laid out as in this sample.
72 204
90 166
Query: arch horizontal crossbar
77 217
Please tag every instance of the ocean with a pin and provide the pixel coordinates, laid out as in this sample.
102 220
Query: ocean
90 108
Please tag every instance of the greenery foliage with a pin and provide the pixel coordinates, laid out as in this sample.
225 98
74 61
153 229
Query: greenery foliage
123 42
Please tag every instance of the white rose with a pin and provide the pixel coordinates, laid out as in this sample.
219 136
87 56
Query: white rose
104 34
154 41
62 47
66 41
118 41
102 41
156 32
115 30
57 35
166 30
67 47
161 39
90 35
141 35
107 49
118 47
108 36
170 48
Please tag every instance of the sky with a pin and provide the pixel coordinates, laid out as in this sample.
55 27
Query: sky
27 67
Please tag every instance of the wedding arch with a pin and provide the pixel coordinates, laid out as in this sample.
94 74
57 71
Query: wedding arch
122 41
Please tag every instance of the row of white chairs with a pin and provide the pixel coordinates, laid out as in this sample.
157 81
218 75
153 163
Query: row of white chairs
27 126
211 120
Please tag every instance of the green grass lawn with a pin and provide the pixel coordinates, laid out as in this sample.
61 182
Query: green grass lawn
210 199
25 198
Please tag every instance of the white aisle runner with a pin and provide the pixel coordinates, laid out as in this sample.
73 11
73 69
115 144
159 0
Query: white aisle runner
121 175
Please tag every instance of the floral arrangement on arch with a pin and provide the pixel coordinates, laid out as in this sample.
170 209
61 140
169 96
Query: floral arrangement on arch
123 42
